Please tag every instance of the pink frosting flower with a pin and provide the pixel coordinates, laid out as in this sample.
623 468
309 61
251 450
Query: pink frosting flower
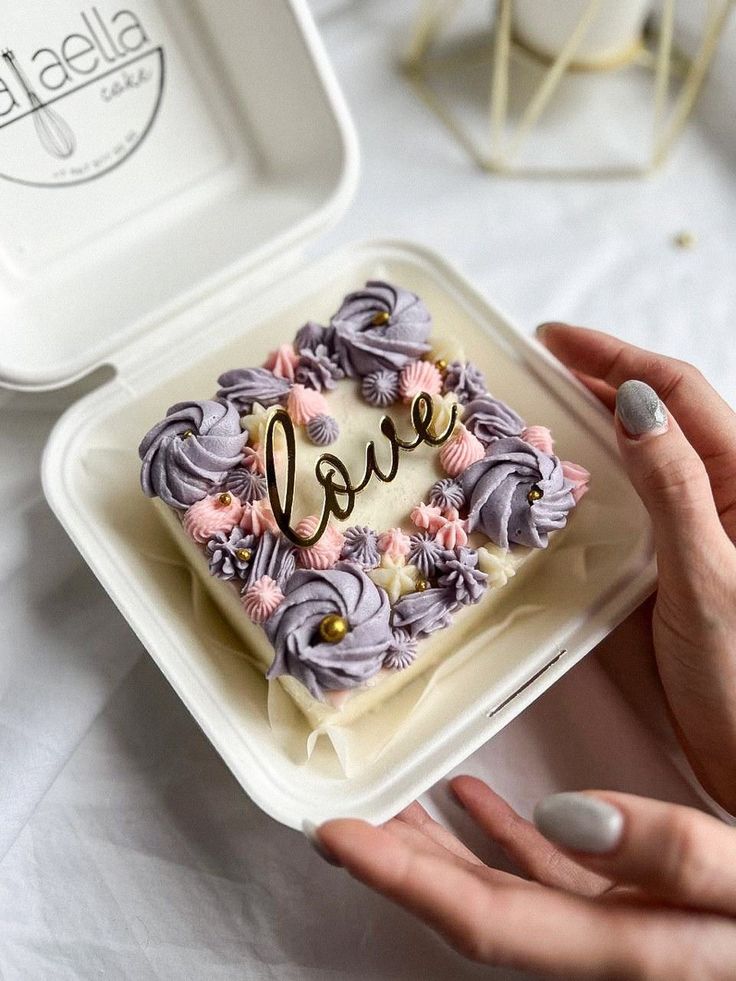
395 544
325 552
454 532
283 361
258 517
219 512
251 459
579 478
461 450
428 516
304 404
540 438
419 376
261 599
255 459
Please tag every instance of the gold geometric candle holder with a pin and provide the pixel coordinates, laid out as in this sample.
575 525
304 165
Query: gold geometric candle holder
532 102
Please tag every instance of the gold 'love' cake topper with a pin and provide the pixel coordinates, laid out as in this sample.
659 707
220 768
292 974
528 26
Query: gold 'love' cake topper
331 472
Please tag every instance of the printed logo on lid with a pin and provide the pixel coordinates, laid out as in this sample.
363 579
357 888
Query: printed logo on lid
74 109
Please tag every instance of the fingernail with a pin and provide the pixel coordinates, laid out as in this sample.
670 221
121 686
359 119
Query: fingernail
640 410
580 822
543 328
310 833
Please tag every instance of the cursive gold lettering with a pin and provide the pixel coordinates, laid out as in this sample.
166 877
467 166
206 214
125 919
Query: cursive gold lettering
331 472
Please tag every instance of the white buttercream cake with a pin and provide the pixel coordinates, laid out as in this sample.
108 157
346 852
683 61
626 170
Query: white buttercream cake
354 504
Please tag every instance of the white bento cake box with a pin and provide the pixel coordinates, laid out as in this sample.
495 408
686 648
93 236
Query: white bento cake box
164 166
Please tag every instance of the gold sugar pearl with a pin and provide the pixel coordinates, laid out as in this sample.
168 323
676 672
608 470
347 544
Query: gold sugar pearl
684 240
421 585
187 435
225 499
244 554
441 364
535 494
333 628
380 319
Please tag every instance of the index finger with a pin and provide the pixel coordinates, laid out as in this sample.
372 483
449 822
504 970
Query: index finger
708 422
531 851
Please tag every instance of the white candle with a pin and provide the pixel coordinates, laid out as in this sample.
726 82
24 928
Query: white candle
545 26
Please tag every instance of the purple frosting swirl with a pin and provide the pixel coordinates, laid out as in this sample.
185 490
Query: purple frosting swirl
244 386
401 651
489 419
501 488
447 493
190 451
223 549
361 546
246 485
312 334
309 596
425 612
381 326
458 572
323 430
381 388
465 380
317 368
424 553
274 557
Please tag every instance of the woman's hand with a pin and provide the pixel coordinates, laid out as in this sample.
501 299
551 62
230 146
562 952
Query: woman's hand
639 889
680 454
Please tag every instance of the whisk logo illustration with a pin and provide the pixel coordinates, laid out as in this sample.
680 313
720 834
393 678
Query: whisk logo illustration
74 110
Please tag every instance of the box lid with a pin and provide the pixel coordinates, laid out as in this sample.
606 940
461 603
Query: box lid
149 153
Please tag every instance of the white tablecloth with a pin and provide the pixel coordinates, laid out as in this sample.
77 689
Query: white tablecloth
126 848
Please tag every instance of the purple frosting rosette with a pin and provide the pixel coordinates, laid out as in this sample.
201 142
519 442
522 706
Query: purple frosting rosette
242 387
294 629
458 572
190 451
489 419
517 493
274 557
421 614
380 326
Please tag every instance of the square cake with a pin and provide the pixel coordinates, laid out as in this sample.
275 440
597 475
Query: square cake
353 496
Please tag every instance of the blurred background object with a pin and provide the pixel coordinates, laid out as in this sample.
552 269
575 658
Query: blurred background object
570 88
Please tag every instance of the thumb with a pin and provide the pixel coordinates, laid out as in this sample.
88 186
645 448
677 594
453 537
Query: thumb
668 475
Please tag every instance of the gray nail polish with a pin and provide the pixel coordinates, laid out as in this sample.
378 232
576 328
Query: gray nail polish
310 833
639 408
580 822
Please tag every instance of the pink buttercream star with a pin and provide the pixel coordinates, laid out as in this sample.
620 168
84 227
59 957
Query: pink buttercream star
326 550
394 543
258 517
428 516
453 532
283 361
262 598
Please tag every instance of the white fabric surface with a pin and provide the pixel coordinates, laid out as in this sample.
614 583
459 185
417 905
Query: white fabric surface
126 848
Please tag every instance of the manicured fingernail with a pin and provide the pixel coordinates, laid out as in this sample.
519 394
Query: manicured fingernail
310 833
580 822
640 410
